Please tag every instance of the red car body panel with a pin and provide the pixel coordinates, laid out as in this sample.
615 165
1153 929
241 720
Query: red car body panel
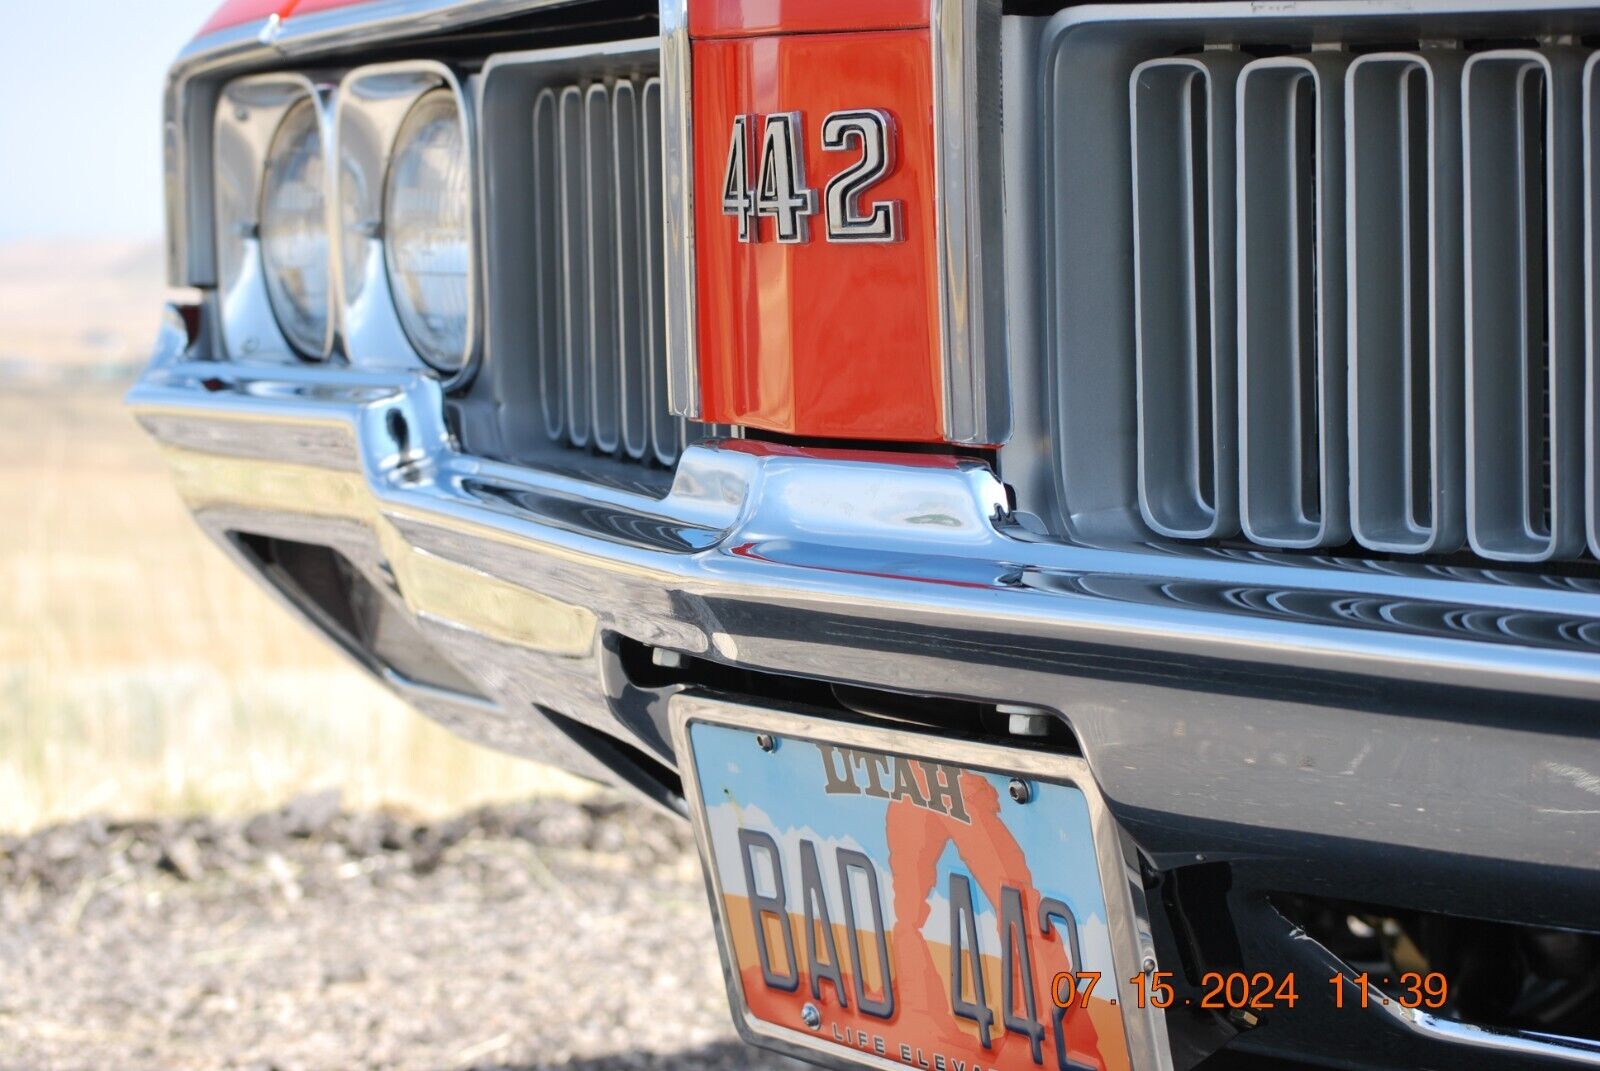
237 12
820 338
743 18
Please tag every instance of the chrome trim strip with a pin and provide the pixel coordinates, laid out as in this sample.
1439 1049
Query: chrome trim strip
1544 1047
420 692
677 209
1127 916
1359 11
967 179
1465 1036
374 21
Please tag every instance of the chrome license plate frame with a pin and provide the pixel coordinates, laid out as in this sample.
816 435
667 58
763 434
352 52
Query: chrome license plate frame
1129 944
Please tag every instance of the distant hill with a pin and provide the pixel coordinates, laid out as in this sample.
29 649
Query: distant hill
71 306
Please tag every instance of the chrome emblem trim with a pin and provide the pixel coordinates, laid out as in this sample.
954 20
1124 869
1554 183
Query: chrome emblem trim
968 198
873 133
778 187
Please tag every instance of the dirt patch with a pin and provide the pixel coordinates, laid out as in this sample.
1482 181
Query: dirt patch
541 935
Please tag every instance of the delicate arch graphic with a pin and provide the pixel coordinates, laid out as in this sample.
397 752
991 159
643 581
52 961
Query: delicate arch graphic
917 839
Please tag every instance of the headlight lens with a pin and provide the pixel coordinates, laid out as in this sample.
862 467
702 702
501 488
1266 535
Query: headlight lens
358 226
427 229
294 230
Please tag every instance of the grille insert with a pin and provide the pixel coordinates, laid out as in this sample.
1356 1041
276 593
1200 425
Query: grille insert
575 351
598 219
1353 281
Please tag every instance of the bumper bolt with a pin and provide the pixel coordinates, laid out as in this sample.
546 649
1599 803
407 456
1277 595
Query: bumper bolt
811 1016
1019 790
765 742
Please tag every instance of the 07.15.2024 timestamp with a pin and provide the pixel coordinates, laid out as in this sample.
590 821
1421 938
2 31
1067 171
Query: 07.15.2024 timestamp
1264 991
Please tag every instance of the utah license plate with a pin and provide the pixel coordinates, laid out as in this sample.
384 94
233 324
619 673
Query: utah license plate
897 900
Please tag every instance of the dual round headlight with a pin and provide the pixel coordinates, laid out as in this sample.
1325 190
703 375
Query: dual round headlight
426 230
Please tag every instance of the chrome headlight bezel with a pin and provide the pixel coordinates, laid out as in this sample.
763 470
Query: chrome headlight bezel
249 115
373 104
296 282
435 116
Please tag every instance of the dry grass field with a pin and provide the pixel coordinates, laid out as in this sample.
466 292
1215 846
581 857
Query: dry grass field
140 672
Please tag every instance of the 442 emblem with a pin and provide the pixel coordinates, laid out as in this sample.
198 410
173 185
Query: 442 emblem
778 186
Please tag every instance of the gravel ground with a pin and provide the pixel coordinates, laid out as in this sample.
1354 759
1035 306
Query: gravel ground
542 935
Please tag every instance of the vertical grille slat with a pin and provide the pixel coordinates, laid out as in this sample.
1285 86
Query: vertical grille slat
1182 115
1591 295
1406 347
667 432
547 258
1522 138
632 284
1291 301
600 216
575 274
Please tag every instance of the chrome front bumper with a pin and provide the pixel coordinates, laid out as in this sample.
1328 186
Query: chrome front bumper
1231 705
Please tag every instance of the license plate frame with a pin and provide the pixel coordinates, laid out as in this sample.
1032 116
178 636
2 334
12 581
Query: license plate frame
1125 911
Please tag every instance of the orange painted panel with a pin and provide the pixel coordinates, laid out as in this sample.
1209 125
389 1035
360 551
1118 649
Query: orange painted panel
822 339
740 18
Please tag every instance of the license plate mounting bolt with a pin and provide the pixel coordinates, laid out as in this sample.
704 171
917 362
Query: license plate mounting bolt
766 743
1019 790
811 1016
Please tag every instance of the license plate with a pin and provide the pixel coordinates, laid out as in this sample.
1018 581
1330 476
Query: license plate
897 900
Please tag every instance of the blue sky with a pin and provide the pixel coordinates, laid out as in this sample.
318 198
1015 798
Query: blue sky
80 136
